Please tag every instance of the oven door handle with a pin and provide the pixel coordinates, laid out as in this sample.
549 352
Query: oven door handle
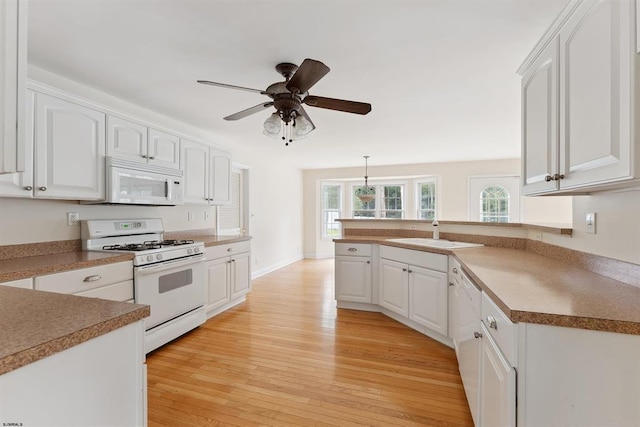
168 265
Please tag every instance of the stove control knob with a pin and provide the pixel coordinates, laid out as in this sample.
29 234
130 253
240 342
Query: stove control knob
196 250
159 256
149 257
189 251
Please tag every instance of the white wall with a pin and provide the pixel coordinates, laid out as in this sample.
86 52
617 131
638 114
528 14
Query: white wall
275 192
453 182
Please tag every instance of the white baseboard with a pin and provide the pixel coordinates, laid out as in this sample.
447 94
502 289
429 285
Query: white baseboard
274 267
319 256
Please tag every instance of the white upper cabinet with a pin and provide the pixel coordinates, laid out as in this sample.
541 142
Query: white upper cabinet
13 77
207 174
133 141
69 150
578 128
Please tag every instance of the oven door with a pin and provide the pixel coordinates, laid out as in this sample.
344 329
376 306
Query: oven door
172 288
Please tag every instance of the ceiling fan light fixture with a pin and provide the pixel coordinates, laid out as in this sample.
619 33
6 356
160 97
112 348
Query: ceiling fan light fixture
272 125
302 127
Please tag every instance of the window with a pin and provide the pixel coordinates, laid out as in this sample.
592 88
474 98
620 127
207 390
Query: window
392 201
427 200
494 204
388 201
331 210
494 199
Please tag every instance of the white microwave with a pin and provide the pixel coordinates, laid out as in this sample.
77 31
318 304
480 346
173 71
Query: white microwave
134 183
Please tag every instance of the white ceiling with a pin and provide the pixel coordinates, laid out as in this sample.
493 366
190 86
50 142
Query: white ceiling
440 74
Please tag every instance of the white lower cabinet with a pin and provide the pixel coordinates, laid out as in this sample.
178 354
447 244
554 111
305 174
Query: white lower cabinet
229 275
22 283
112 281
497 385
353 278
428 298
99 382
394 286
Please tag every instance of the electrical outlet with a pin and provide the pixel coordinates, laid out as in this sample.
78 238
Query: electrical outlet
538 236
590 221
73 218
189 216
206 215
413 227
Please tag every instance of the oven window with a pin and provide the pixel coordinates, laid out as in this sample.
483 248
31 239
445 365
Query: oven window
176 280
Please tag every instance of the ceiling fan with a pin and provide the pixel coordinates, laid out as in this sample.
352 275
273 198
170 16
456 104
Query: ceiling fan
287 98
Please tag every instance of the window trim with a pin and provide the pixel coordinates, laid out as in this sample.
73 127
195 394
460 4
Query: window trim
340 210
417 195
405 183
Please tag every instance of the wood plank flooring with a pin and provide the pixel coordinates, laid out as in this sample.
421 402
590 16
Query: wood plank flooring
288 357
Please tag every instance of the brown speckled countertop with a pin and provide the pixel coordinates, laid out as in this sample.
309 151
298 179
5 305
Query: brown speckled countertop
32 266
37 324
532 288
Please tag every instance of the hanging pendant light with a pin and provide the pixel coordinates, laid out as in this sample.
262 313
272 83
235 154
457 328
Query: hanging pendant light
366 193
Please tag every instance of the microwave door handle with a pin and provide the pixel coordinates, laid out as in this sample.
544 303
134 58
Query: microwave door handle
167 189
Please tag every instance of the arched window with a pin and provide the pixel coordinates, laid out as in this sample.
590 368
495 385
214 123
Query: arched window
494 204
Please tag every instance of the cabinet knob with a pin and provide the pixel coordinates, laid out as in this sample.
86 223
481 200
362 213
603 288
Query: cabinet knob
455 270
152 157
28 188
42 188
548 178
229 249
477 335
410 271
404 269
492 322
558 177
368 262
144 156
450 283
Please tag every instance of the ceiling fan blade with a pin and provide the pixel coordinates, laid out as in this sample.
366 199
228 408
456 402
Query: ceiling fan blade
307 75
248 89
338 104
303 112
249 111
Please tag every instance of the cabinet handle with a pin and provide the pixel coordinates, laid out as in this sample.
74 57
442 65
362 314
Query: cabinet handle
450 283
404 269
42 188
455 270
28 188
144 156
152 157
229 249
492 322
477 335
368 262
548 178
410 271
352 250
558 177
93 278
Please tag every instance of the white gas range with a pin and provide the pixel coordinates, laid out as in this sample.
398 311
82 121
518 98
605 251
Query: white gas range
169 275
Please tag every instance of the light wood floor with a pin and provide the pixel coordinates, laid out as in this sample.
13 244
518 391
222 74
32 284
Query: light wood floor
287 357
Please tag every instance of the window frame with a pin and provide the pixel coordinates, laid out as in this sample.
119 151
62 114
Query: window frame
379 185
324 210
418 197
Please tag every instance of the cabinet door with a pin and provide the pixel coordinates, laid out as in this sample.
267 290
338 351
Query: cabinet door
595 95
69 150
220 179
240 274
498 386
394 286
194 162
540 123
353 279
219 293
13 77
20 184
428 298
164 149
126 140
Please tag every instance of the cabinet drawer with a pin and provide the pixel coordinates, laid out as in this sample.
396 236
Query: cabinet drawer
353 249
22 283
502 330
75 281
219 251
428 260
122 291
455 271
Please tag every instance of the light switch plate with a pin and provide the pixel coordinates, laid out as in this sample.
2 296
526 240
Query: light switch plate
591 222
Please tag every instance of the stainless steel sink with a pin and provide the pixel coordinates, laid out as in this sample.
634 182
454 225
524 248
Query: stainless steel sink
440 243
